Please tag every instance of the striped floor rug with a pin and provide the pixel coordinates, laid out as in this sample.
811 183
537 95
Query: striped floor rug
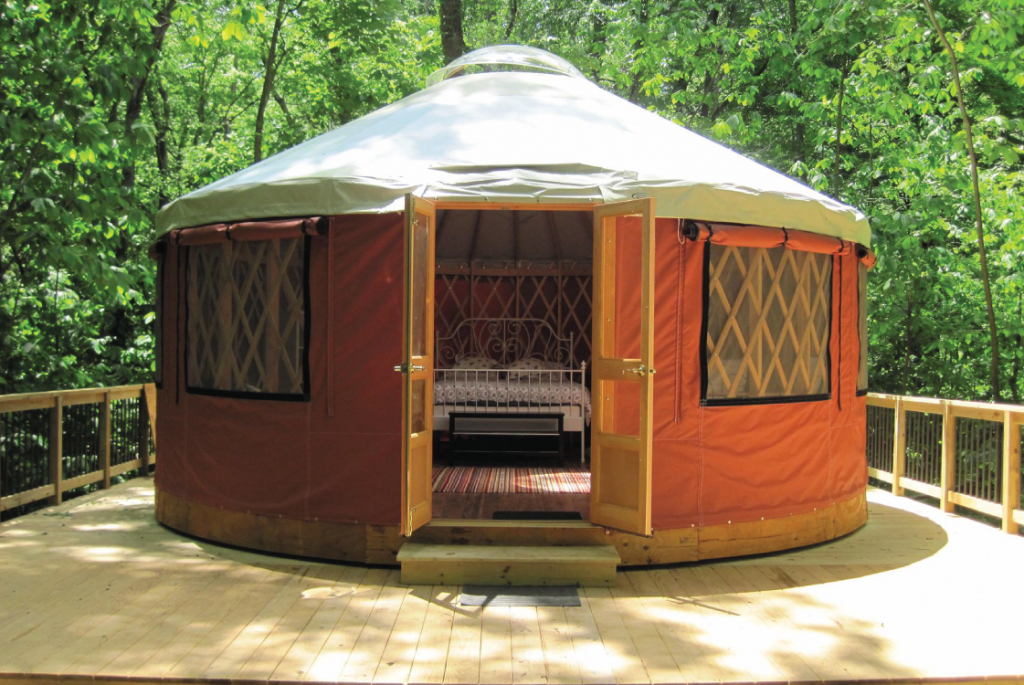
499 479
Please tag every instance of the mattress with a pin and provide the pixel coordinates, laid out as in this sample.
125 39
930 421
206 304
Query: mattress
510 393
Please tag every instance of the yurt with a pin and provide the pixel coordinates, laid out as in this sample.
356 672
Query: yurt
511 308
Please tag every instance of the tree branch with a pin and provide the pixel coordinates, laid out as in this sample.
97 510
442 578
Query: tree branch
978 221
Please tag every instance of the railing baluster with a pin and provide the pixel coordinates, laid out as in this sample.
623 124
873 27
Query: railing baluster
1011 471
948 476
105 439
899 449
143 436
56 448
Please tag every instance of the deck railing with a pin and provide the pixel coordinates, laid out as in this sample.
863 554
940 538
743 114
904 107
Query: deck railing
55 442
965 454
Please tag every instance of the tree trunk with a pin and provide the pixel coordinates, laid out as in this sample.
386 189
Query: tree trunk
978 225
801 130
1015 375
161 112
453 43
270 70
839 128
513 9
133 108
121 326
293 125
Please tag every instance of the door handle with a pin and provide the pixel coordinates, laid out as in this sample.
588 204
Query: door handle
404 368
640 371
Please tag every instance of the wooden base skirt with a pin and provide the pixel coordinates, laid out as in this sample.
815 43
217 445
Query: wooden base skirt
380 544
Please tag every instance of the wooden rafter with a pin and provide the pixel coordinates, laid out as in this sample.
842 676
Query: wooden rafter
552 229
476 234
441 226
516 239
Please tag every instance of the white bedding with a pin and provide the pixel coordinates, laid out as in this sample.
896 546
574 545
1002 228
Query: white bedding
502 392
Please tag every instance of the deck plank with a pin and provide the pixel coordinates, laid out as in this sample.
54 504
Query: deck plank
496 645
400 649
335 599
431 658
464 653
338 646
95 589
369 648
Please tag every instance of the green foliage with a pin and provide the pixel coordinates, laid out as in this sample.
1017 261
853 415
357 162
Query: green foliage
108 113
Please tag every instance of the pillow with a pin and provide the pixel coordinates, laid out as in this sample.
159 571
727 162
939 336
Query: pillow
529 365
475 361
471 365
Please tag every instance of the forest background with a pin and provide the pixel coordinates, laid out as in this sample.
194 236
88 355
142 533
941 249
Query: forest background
110 108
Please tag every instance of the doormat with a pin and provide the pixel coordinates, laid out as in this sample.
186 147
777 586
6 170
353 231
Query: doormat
524 596
537 516
511 480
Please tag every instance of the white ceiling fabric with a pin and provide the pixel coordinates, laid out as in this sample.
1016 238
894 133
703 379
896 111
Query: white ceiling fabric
515 137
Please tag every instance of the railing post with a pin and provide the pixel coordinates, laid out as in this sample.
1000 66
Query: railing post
899 449
1011 472
948 475
105 439
143 433
56 448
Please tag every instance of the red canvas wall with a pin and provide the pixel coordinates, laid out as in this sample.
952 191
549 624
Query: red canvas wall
740 463
338 456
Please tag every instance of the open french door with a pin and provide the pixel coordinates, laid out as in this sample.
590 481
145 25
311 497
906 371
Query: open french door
417 366
622 372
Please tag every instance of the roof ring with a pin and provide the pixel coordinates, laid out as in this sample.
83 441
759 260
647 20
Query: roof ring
506 58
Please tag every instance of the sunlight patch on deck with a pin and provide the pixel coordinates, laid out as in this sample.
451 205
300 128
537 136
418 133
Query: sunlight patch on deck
96 588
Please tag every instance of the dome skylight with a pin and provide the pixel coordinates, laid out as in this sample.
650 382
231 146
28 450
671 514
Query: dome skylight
506 58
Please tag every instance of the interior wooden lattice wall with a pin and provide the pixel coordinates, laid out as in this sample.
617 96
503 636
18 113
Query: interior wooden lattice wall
768 322
561 298
246 316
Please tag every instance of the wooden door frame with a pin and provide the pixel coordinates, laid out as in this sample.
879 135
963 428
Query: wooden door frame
410 375
609 368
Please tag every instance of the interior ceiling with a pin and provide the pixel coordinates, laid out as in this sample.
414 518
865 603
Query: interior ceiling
507 238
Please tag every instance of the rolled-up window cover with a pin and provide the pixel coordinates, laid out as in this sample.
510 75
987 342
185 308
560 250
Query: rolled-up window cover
763 236
249 230
867 256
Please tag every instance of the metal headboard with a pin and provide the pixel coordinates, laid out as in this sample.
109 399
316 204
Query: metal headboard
504 341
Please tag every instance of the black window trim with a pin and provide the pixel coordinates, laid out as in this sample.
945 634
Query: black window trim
746 401
304 396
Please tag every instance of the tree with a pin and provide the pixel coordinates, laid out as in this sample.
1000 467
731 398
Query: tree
978 221
453 44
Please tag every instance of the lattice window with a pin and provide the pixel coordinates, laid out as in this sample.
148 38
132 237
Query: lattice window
862 326
564 301
768 319
247 318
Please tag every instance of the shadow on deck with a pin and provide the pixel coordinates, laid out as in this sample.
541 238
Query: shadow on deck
96 589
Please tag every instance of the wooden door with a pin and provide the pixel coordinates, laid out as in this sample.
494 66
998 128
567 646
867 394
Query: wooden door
417 367
622 372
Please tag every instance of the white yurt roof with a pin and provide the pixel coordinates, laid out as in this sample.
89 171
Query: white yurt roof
546 135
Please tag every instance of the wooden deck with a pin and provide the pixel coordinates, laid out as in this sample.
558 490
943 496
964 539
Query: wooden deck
95 589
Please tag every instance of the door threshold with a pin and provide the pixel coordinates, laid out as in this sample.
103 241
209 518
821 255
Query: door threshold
523 523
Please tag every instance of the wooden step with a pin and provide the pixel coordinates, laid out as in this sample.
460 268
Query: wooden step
584 566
